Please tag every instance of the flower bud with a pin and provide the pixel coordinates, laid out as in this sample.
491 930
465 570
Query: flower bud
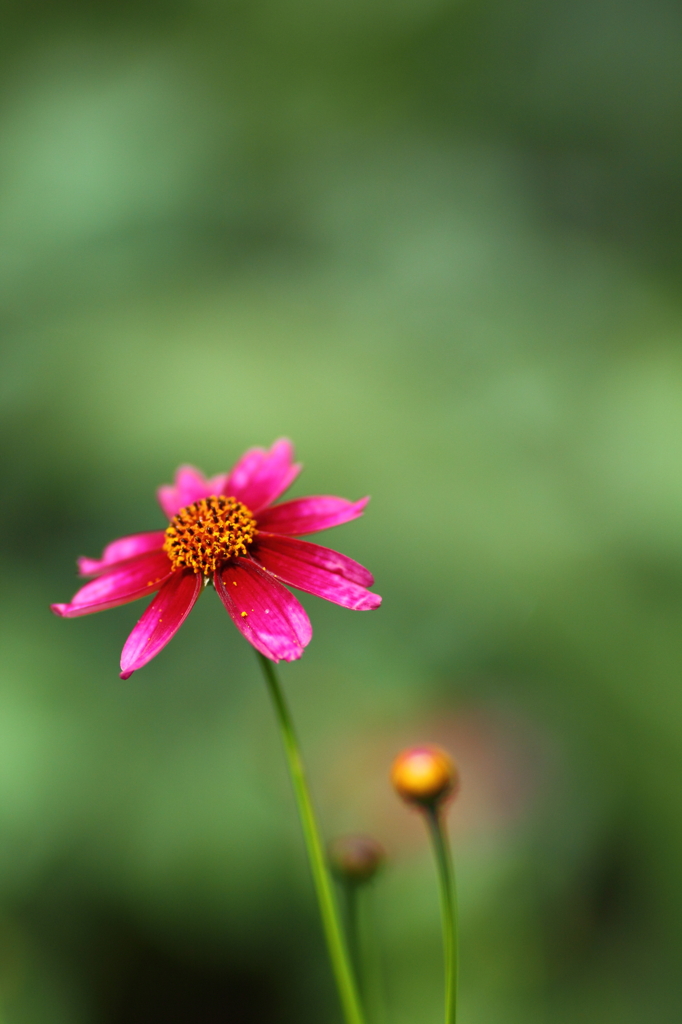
356 858
424 775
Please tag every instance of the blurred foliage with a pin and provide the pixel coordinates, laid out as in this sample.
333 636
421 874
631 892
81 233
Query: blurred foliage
439 246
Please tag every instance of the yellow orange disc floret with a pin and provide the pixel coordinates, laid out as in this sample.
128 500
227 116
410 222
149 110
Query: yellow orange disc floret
424 775
206 534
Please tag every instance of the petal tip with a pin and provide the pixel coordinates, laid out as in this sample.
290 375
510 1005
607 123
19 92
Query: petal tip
59 609
293 654
283 442
126 675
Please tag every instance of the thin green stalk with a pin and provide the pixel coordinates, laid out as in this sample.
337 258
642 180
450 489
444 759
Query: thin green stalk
336 945
351 904
448 903
368 957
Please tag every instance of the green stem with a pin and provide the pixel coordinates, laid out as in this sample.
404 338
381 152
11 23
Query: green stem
369 965
352 908
362 946
448 903
338 953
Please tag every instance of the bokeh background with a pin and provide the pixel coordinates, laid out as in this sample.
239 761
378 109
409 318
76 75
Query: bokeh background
439 245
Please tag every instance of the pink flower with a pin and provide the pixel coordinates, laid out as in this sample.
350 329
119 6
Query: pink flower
228 530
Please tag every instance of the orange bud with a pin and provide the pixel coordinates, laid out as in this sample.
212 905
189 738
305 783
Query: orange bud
424 775
356 858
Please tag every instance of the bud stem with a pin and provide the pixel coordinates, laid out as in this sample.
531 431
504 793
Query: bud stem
448 903
354 943
363 946
336 945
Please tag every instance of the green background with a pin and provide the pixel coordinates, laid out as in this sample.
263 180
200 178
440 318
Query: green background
439 246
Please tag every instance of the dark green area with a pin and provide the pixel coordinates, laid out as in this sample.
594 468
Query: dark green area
440 247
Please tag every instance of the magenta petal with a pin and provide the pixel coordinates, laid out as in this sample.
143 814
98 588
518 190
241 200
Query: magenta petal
168 500
317 570
161 620
314 555
120 551
190 485
261 476
309 515
263 610
136 578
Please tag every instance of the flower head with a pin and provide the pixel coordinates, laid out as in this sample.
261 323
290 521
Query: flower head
424 775
228 531
356 859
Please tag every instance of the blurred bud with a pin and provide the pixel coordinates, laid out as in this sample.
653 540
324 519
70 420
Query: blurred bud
424 775
356 858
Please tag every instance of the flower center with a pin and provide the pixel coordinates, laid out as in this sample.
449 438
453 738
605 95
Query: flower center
204 535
